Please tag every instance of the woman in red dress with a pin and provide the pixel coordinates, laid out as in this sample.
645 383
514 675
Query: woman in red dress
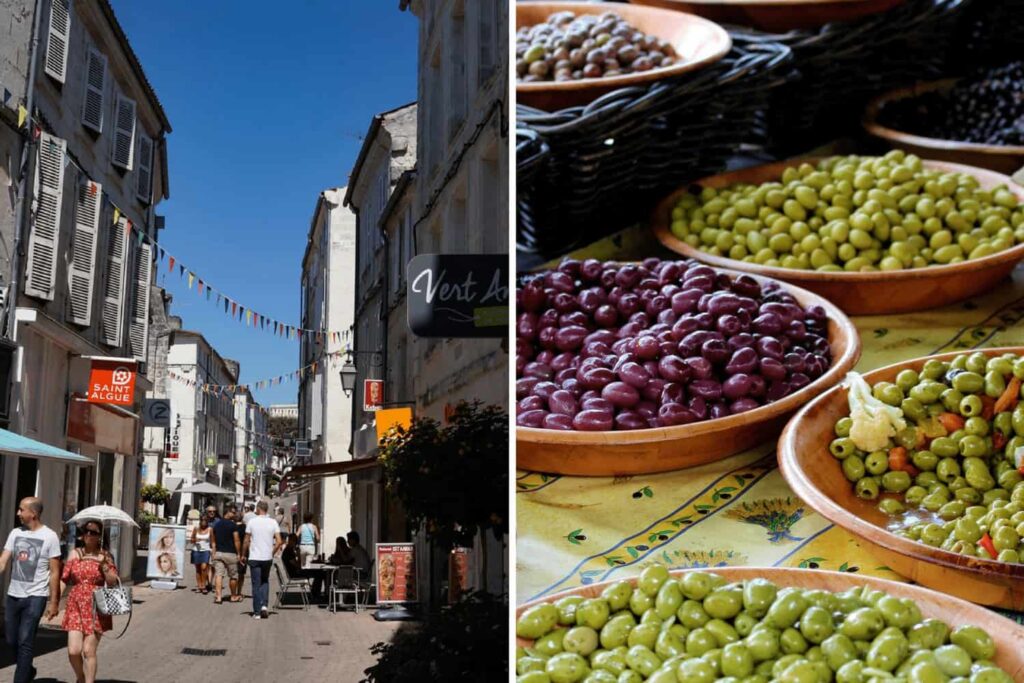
87 569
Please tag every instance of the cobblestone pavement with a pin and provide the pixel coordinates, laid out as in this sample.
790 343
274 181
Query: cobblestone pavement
292 645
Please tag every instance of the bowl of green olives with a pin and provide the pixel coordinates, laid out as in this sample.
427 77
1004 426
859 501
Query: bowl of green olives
571 53
757 624
926 469
874 235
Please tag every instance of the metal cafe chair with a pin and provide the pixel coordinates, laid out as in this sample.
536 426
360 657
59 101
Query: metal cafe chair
364 587
343 582
286 582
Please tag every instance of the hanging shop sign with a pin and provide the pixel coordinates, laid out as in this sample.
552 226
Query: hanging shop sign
396 572
387 418
112 381
174 447
156 412
373 394
458 574
463 295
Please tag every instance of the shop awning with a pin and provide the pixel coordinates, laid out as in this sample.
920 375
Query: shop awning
308 473
16 444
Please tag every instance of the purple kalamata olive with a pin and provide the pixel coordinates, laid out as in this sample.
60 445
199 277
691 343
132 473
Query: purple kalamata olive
736 386
634 374
570 266
564 302
627 276
562 375
589 394
742 405
769 347
562 401
794 362
526 326
538 370
606 336
558 421
628 304
669 272
548 318
700 368
699 270
706 321
698 406
649 284
545 357
656 305
646 409
546 337
758 386
767 323
623 345
670 290
630 330
772 369
621 395
590 269
715 351
530 418
533 297
708 389
570 338
739 341
530 403
652 390
573 386
686 300
607 278
668 317
646 347
521 362
777 390
574 318
687 324
627 420
559 281
816 313
796 330
562 361
798 380
722 303
544 389
524 386
729 325
704 283
642 319
717 410
780 310
744 285
593 421
597 403
674 369
595 349
671 414
743 360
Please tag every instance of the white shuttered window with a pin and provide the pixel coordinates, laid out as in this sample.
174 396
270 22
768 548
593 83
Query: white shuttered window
82 272
138 325
41 267
57 40
124 133
144 181
113 294
92 102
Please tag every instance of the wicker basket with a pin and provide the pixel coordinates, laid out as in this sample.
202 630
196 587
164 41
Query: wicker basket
839 67
607 163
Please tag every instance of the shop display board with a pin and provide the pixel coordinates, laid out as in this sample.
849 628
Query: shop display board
396 573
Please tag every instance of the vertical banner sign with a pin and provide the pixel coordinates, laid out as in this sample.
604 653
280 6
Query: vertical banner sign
396 572
464 295
112 382
175 446
373 394
458 574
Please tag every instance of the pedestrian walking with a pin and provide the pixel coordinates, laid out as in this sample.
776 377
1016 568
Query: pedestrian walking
249 514
89 568
279 514
34 591
309 540
201 555
226 545
262 543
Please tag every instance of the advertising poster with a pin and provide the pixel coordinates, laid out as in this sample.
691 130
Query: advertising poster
458 574
166 552
396 572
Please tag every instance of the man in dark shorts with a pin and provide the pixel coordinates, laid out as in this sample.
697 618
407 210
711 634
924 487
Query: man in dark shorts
227 546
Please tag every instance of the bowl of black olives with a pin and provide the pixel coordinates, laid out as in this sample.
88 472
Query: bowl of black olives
570 53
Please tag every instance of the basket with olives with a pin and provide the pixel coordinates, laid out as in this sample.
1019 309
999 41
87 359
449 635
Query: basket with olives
698 627
942 451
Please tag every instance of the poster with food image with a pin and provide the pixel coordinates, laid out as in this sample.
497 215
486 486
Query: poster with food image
458 573
166 552
396 572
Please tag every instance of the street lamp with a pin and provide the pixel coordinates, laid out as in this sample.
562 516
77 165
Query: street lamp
349 372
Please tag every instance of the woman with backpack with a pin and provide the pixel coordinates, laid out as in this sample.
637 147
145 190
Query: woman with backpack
89 568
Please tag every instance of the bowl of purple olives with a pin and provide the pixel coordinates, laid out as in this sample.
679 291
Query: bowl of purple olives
628 368
570 53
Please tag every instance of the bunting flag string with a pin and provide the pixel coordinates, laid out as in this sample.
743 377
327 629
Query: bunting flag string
228 390
242 314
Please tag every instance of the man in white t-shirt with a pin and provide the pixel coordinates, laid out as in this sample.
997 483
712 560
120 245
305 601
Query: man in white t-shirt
33 551
262 543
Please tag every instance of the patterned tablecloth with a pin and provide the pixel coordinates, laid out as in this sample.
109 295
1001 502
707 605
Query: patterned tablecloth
738 511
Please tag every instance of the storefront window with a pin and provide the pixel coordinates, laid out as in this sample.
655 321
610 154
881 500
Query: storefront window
105 473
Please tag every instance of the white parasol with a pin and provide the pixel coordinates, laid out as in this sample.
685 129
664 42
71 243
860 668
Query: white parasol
103 514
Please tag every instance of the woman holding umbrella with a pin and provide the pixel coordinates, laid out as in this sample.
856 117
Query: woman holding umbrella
89 568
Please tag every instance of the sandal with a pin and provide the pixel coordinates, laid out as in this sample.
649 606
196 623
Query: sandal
236 598
217 601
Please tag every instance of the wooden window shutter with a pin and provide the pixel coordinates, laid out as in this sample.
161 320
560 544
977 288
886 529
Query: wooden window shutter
41 267
124 133
144 186
57 41
82 272
113 294
92 102
138 325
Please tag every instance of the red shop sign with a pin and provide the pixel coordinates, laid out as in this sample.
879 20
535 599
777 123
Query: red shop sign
112 382
373 394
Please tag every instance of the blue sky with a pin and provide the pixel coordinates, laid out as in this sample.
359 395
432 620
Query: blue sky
269 102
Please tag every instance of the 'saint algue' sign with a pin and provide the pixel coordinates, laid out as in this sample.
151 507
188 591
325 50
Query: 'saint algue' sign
458 295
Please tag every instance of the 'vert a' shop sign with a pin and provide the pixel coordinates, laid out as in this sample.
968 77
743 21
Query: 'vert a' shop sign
458 295
112 382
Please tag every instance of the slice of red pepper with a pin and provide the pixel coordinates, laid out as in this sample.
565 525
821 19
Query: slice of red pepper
989 546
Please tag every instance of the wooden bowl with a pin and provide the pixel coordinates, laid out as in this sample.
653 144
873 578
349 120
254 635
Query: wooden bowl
1006 159
671 448
777 16
816 476
697 40
878 293
1008 636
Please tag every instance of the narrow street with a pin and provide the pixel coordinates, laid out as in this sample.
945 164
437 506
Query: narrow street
292 645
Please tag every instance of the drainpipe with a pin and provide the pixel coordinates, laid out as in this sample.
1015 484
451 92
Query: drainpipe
24 193
386 306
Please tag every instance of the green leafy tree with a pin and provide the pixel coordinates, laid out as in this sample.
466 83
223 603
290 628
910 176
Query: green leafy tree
156 494
452 479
